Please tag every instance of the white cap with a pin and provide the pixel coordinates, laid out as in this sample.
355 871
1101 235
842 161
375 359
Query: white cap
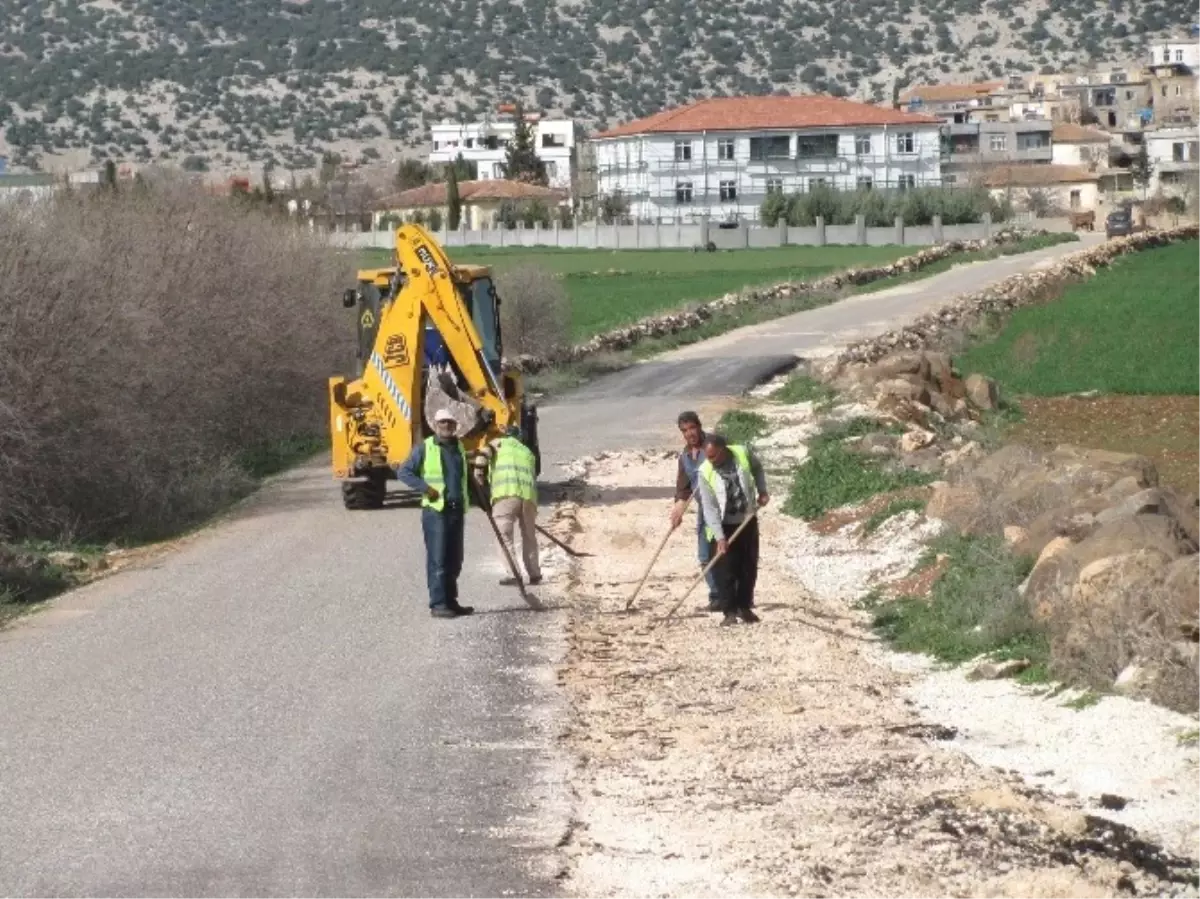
444 415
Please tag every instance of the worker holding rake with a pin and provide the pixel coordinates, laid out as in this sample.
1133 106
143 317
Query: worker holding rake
732 486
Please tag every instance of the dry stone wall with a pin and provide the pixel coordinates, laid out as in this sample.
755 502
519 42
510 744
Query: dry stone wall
675 322
934 330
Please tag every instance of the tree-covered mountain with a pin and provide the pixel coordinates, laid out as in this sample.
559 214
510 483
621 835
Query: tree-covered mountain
225 82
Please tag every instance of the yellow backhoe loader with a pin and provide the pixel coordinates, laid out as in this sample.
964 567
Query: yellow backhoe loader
429 337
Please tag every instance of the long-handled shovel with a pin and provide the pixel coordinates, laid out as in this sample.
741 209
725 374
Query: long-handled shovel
657 553
512 564
711 563
568 550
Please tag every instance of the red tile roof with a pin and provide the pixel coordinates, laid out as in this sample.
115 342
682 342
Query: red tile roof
1070 133
950 93
470 191
766 114
1037 176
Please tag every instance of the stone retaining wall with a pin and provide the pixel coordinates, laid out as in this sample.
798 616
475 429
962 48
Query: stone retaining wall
675 322
1025 289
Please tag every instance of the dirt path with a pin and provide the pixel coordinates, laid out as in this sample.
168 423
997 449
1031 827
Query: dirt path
782 758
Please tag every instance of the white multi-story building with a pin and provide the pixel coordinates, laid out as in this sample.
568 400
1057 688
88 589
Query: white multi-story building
485 143
1176 53
721 157
1174 155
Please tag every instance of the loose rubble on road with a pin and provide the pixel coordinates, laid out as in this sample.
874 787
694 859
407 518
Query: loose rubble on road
800 757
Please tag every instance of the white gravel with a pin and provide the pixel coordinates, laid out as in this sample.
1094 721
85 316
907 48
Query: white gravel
844 567
1120 746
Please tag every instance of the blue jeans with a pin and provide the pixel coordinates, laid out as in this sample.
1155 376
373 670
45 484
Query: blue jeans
704 553
443 553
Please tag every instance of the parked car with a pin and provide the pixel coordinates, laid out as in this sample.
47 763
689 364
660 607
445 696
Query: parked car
1119 223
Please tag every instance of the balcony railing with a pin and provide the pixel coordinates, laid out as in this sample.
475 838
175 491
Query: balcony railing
998 157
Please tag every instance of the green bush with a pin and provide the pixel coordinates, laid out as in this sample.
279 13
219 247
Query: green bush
917 206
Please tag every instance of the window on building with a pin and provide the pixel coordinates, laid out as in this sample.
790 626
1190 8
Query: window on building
908 182
817 146
906 142
683 151
551 169
497 170
1178 152
865 182
553 140
777 146
1076 199
774 185
1179 90
814 183
725 148
998 143
728 191
862 145
683 192
1179 56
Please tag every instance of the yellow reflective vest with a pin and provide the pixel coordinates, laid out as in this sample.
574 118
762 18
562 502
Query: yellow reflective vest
717 484
514 471
432 474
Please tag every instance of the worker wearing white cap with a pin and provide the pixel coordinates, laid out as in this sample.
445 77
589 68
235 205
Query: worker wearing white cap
437 468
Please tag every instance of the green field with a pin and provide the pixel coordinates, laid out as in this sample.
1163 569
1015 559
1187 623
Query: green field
1132 329
610 288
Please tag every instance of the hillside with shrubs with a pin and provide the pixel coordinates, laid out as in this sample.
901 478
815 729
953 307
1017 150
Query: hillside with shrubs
224 83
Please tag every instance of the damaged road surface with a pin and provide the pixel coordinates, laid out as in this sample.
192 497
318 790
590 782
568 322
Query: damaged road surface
782 758
267 708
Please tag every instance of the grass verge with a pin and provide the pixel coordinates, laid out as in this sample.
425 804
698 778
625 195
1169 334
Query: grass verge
740 426
835 476
1130 329
891 510
564 377
800 388
974 608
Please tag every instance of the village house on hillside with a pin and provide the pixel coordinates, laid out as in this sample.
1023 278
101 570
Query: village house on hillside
483 202
721 157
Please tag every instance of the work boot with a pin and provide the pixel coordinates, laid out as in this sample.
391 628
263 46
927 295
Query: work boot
461 610
714 604
534 581
728 619
508 582
748 616
442 612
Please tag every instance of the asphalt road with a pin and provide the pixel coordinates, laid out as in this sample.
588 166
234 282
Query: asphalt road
267 709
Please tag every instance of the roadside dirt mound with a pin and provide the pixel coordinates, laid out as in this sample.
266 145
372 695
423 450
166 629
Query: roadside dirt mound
781 758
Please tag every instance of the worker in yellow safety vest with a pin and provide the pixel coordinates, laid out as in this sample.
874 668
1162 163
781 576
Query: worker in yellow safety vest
732 483
437 469
510 468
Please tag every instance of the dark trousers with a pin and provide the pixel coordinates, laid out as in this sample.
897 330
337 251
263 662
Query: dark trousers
704 552
443 553
737 571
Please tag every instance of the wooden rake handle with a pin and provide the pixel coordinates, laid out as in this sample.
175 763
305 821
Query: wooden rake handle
711 563
657 553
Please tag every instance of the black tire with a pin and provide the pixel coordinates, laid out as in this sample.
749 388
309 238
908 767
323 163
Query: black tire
529 429
368 494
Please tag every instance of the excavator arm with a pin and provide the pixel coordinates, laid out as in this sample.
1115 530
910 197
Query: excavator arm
378 417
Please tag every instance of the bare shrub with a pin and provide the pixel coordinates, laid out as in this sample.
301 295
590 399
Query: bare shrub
148 339
535 311
1127 615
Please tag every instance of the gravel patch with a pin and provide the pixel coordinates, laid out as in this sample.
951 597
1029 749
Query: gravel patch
1121 747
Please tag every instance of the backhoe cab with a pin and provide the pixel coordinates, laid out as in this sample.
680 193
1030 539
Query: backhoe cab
429 337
